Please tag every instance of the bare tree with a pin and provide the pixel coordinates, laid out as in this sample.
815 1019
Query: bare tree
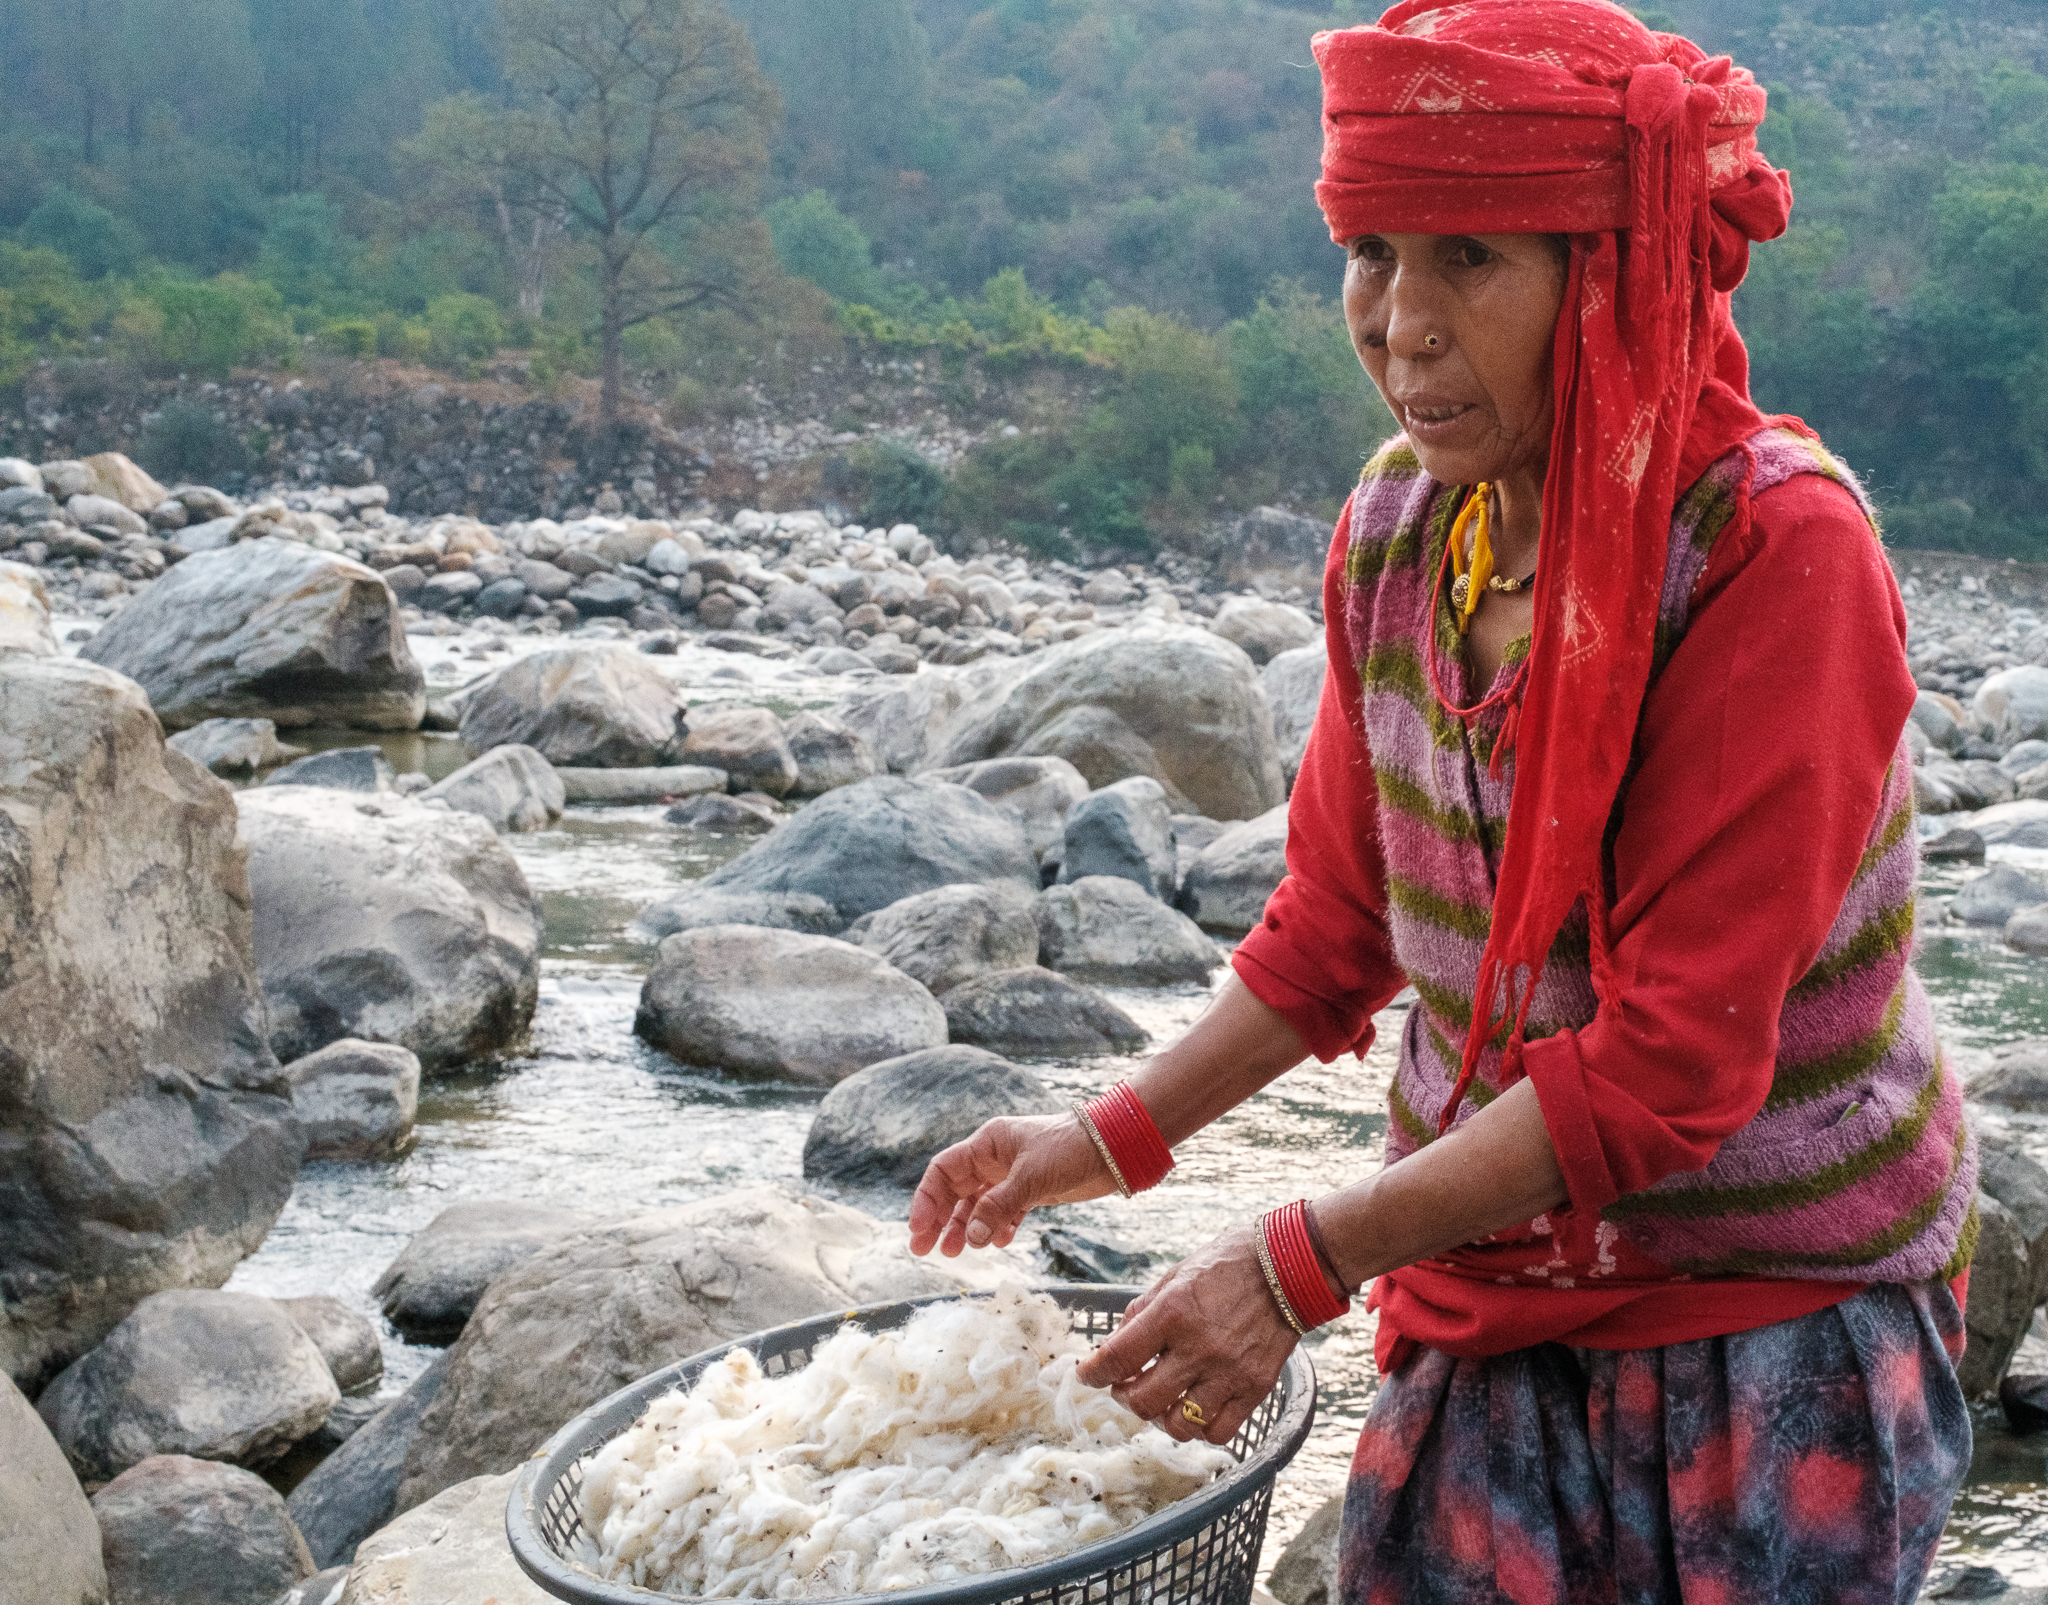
643 122
470 154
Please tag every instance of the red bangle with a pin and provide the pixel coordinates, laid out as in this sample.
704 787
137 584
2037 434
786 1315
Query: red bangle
1130 1139
1304 1288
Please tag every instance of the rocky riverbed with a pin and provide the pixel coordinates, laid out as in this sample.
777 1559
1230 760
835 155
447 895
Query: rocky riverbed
589 927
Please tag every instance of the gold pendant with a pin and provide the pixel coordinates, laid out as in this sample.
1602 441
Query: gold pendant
1461 592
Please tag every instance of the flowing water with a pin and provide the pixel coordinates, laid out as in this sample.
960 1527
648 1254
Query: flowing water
590 1119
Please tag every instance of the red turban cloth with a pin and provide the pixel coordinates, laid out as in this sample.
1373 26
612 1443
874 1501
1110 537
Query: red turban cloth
1570 117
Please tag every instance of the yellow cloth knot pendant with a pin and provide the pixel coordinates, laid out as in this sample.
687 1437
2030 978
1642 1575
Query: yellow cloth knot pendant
1475 573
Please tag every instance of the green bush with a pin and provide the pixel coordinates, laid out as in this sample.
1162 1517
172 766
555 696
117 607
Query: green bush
214 325
188 441
403 339
897 485
90 236
463 328
350 337
815 240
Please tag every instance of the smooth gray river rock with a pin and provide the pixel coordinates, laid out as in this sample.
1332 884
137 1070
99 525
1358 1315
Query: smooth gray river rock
882 1126
429 1291
1037 792
747 743
510 788
1034 1013
628 787
49 1538
346 1341
944 937
1126 830
1229 883
181 1531
1293 683
355 1099
603 707
452 1550
1106 930
354 1491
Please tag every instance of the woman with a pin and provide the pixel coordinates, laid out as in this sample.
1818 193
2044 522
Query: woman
1666 1250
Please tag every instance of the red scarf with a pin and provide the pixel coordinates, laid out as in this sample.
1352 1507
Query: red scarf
1570 117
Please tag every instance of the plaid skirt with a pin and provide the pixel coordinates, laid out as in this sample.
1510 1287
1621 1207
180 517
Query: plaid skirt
1808 1463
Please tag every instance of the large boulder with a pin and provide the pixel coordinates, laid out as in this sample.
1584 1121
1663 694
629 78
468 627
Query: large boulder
602 707
2014 703
1264 629
429 1291
2016 1078
146 1132
868 845
828 755
1997 894
120 479
382 918
747 743
354 1491
1036 792
1306 1572
2006 1282
1227 888
269 629
356 1100
1033 1013
346 1341
944 937
224 1376
49 1540
180 1531
511 788
1278 547
363 769
1106 930
1125 830
25 613
452 1550
605 1306
2013 824
1169 701
1293 683
779 1006
881 1127
695 908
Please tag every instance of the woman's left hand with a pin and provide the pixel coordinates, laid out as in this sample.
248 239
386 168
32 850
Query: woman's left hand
1207 1330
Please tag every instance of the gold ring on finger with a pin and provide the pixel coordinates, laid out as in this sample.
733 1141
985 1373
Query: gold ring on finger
1192 1412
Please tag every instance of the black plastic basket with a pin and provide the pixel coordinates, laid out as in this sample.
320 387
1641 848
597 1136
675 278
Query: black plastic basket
1200 1551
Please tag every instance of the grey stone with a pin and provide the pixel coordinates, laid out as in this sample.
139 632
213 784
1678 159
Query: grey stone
883 1125
627 787
2008 1174
103 512
49 1539
444 593
1169 701
342 769
1124 830
181 1531
232 746
604 1306
25 613
1995 896
1076 1258
356 1100
1106 930
2027 755
2027 930
1957 846
606 596
268 629
452 1550
1033 1013
603 707
796 604
224 1376
902 719
775 1005
1293 683
2006 1282
2017 1077
878 841
1264 629
543 580
18 472
146 1131
747 743
1279 547
1036 792
1306 1572
203 501
21 505
954 933
696 908
1227 888
346 1341
388 920
322 1588
1936 722
502 599
66 477
827 754
2014 704
354 1491
2013 824
428 1292
512 788
2023 1396
724 816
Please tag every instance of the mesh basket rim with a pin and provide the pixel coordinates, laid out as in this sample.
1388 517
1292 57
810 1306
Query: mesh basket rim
537 1558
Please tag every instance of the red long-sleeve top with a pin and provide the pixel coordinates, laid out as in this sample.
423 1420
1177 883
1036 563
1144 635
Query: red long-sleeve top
1743 824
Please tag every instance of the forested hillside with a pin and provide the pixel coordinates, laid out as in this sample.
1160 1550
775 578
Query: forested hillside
1115 187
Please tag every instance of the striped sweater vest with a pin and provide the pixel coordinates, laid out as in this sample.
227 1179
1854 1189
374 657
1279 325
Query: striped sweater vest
1859 1167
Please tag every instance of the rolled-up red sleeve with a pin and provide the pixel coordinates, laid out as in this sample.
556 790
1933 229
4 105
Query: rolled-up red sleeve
1760 766
1322 955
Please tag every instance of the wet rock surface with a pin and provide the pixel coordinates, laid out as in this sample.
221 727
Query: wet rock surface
883 1125
180 1531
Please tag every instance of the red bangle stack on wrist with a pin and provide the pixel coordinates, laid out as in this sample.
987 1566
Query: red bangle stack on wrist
1125 1135
1294 1272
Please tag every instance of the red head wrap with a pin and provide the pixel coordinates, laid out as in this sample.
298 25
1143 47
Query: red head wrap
1570 117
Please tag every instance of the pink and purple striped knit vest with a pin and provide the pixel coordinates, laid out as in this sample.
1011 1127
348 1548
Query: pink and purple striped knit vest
1859 1167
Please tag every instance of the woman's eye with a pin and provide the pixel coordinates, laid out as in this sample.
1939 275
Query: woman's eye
1471 254
1369 249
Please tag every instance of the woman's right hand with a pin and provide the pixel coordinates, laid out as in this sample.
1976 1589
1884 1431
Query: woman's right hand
979 1191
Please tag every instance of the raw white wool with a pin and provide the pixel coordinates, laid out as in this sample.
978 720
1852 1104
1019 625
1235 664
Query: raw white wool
958 1444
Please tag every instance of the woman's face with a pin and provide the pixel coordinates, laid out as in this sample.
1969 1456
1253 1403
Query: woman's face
1476 404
